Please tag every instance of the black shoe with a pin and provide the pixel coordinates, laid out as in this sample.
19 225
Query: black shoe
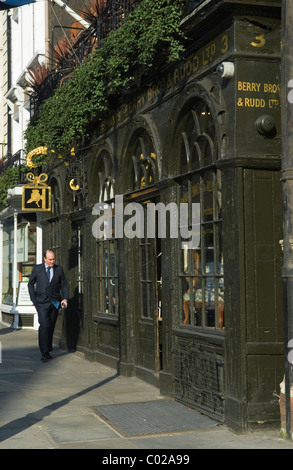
46 357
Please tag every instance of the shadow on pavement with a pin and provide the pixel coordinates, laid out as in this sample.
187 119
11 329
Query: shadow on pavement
4 331
21 424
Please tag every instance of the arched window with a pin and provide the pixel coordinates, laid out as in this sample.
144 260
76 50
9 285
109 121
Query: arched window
144 161
107 279
202 271
144 175
106 180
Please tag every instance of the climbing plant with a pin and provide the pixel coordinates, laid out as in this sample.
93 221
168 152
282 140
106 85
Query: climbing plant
149 36
8 179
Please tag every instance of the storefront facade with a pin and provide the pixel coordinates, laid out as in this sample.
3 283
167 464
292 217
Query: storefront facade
188 300
20 249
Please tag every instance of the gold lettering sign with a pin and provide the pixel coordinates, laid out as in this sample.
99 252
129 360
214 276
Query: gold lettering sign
258 94
36 195
205 57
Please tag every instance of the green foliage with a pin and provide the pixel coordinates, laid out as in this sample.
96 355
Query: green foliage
63 119
39 160
7 180
149 36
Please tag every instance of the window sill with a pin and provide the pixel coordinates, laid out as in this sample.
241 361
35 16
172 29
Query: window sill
105 318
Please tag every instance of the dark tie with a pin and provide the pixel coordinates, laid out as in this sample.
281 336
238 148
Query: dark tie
48 273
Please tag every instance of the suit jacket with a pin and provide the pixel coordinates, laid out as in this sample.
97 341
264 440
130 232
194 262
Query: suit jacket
41 290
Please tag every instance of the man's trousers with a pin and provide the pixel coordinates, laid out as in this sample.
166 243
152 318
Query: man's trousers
47 315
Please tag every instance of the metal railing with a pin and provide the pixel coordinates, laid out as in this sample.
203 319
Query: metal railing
16 160
109 19
112 17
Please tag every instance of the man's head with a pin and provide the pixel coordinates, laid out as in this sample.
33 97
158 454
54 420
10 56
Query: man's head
49 257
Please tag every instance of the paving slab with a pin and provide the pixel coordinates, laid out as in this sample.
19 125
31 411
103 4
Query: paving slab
73 429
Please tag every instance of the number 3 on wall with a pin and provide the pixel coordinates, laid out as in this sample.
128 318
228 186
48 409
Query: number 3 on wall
260 41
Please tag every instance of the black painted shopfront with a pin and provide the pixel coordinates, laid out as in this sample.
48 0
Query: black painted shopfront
201 318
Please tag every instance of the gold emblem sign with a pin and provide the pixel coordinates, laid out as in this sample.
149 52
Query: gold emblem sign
36 195
32 153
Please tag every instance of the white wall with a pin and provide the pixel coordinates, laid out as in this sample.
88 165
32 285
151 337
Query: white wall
29 30
3 84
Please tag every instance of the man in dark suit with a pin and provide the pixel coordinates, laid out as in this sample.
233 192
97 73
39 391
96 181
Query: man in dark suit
47 282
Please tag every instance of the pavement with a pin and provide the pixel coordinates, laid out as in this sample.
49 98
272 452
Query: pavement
72 403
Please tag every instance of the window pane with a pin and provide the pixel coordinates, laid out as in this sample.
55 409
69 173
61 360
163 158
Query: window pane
107 277
100 296
8 248
147 278
208 197
202 271
218 196
112 278
208 243
144 160
107 283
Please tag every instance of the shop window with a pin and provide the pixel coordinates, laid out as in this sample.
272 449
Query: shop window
144 175
52 237
149 274
19 269
107 278
202 270
27 247
7 266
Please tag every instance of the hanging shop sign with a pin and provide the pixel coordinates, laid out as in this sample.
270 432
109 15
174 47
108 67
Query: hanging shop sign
36 195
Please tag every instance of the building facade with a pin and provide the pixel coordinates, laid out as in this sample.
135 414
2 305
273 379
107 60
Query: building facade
168 224
203 322
26 53
24 49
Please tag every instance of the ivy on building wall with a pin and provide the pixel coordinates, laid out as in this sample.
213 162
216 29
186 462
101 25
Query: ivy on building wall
148 38
7 180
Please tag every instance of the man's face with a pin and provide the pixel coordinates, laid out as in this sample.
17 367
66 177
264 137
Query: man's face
50 259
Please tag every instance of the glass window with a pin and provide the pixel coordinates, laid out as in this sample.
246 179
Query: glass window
26 253
148 247
202 270
144 162
107 279
144 174
8 249
28 239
